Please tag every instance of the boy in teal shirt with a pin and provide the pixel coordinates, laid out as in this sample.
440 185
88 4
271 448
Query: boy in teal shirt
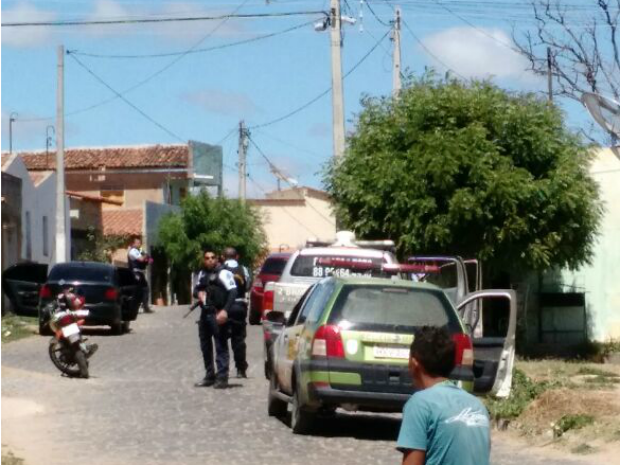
442 424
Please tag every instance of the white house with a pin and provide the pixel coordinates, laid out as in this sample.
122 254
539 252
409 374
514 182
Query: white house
38 211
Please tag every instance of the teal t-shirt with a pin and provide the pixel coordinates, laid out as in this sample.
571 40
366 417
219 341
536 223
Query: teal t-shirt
451 425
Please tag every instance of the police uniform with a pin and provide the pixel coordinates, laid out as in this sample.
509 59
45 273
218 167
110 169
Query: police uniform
238 315
138 267
219 285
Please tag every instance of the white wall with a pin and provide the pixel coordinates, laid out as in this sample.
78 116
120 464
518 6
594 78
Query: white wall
38 201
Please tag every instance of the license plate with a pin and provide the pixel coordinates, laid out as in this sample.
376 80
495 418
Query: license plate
70 330
391 352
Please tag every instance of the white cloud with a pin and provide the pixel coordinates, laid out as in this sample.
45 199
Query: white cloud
23 37
223 102
479 53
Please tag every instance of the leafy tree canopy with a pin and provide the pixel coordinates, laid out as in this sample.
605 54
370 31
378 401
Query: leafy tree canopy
206 222
469 169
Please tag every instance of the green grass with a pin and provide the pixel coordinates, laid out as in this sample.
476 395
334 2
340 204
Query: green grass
17 327
572 422
587 370
602 380
524 391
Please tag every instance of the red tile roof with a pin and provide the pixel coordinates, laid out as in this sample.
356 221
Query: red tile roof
148 156
121 222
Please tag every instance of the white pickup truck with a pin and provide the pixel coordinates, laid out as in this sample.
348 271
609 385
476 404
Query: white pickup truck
345 257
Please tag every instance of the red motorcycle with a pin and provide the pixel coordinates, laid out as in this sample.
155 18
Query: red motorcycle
68 350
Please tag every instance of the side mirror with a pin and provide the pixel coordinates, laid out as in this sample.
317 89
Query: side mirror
276 317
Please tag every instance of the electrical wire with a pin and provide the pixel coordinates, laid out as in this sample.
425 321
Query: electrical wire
198 50
322 94
159 20
119 95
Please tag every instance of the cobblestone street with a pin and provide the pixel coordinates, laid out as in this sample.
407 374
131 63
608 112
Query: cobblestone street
140 407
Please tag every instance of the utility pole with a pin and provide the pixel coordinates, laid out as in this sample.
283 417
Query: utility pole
61 244
396 82
550 74
243 147
337 98
12 119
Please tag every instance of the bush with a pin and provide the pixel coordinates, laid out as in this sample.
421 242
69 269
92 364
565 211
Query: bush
524 391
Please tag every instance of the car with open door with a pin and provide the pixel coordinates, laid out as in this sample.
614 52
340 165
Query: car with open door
112 293
346 345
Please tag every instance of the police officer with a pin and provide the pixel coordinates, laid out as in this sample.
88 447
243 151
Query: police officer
238 311
137 260
216 290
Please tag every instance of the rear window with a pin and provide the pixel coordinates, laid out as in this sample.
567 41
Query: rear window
393 309
322 266
273 266
81 273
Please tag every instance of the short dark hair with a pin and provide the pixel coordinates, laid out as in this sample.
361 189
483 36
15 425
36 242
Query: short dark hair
230 253
434 349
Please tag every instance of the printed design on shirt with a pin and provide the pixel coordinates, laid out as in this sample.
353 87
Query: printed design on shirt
471 418
228 280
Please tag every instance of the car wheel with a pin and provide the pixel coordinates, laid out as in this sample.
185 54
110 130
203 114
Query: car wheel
302 420
126 326
275 407
117 328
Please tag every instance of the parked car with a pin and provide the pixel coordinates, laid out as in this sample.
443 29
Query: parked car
346 345
112 293
270 271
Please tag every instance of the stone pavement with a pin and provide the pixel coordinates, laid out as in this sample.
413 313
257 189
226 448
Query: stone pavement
140 407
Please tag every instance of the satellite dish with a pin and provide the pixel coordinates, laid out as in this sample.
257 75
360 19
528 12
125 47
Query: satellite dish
605 111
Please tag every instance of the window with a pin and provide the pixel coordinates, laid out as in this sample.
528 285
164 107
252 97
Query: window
114 194
28 237
314 305
318 266
46 251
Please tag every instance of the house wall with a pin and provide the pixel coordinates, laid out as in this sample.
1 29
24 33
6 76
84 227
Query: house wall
600 279
38 202
288 224
11 225
138 187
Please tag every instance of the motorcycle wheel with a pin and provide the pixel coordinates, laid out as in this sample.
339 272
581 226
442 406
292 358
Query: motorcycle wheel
64 359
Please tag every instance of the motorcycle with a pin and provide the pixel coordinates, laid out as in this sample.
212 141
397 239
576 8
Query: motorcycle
68 350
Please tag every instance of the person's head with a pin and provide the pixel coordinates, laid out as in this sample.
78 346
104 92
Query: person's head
431 355
209 259
136 242
230 253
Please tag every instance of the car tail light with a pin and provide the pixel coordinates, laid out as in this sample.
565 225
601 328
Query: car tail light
464 353
45 292
328 342
267 301
110 294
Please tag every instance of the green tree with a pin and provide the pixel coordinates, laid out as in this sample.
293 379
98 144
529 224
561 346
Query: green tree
470 169
206 222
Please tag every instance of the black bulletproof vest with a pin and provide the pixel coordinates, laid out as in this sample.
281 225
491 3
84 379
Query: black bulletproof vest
216 292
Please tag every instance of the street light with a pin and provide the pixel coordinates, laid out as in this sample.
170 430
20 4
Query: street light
12 118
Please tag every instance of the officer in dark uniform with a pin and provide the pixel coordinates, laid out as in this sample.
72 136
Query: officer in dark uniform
137 262
216 290
239 310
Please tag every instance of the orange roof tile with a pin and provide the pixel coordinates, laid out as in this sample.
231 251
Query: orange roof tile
148 156
121 222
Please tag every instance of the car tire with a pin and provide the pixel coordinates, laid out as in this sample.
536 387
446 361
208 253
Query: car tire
275 407
126 326
302 420
117 328
254 318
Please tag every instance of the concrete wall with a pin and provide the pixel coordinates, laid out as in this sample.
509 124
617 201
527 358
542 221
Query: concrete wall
11 225
601 279
289 223
38 202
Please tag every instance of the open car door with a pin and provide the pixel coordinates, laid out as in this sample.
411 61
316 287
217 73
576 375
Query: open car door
494 348
21 284
130 291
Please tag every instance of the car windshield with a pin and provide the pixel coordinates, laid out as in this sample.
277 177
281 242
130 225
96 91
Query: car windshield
273 266
81 273
321 266
392 309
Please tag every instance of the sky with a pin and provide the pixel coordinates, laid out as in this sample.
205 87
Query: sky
202 95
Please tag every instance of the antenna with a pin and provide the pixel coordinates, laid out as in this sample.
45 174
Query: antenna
605 111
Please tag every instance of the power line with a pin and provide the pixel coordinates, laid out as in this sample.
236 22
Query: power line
119 95
158 20
322 94
198 50
155 74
